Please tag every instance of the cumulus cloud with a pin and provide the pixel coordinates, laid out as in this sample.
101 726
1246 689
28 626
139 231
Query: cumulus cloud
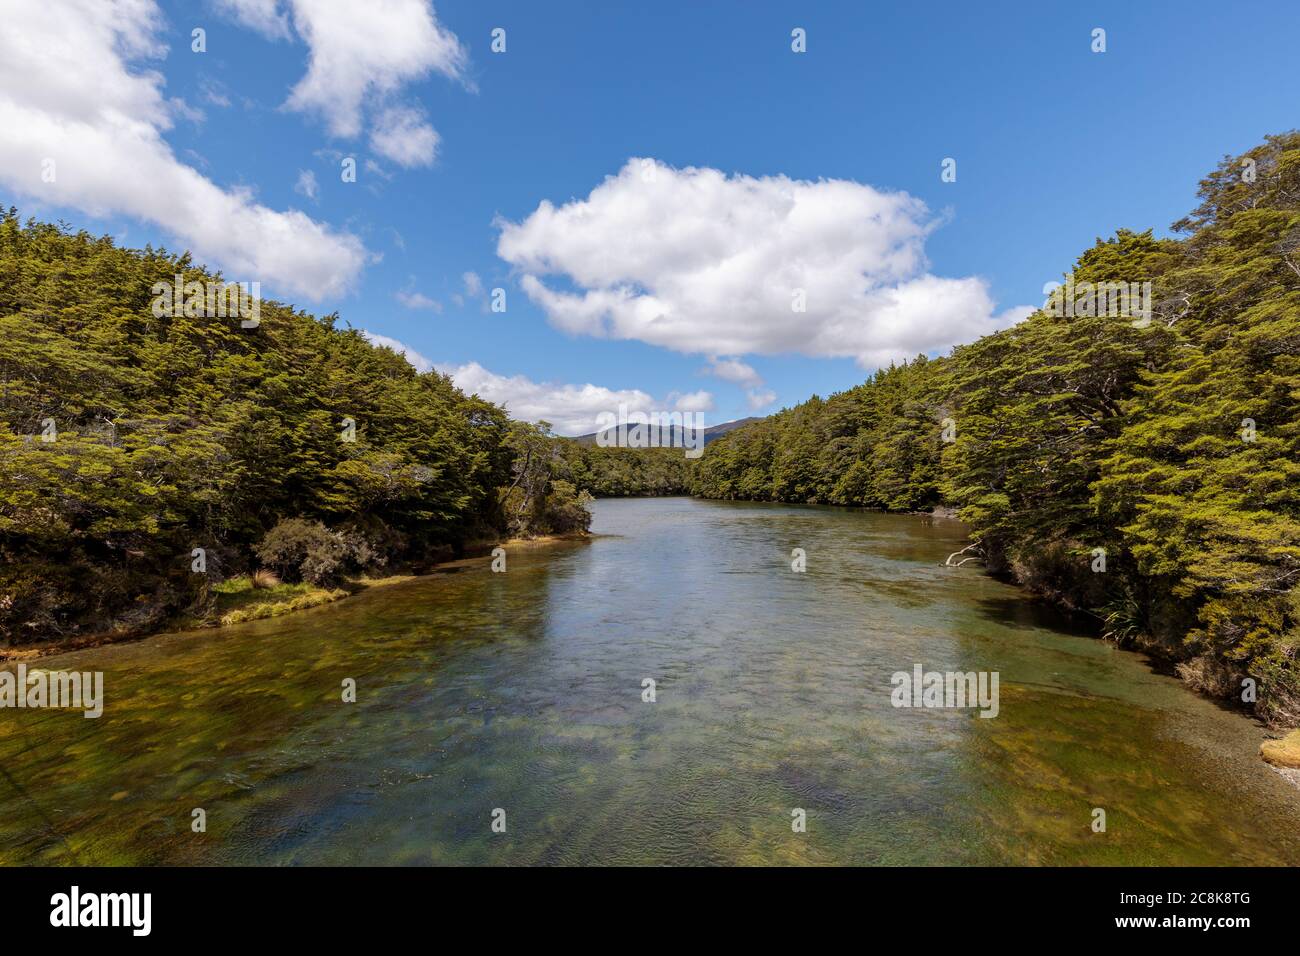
402 135
418 361
742 374
81 126
700 401
360 56
368 49
361 53
701 262
734 370
571 409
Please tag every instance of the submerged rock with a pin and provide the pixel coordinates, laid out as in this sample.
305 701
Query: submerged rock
1284 752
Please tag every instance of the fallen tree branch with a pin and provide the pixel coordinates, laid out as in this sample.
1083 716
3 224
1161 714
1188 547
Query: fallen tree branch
974 557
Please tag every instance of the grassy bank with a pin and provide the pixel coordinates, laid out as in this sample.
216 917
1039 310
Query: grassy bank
238 600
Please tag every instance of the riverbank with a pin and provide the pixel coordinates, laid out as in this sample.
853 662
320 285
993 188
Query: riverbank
238 601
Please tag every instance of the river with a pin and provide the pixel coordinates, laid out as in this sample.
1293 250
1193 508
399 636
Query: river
522 692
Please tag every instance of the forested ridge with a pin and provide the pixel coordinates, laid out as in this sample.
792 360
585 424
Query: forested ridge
146 459
1146 473
615 472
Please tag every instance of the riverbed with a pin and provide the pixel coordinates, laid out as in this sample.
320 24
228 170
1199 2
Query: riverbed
523 699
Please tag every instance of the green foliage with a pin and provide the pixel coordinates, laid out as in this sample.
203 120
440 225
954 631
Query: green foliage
540 499
874 446
304 551
180 432
1173 445
567 509
627 472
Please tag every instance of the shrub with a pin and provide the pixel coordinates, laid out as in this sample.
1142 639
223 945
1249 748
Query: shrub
371 543
567 508
304 550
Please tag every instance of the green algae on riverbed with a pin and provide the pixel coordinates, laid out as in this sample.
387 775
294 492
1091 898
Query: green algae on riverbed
522 691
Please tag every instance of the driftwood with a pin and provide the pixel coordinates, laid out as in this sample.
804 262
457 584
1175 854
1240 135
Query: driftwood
974 557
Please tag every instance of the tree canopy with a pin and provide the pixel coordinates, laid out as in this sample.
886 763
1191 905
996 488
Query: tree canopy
128 439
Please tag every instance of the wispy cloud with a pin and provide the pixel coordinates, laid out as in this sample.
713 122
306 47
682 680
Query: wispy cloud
417 300
307 185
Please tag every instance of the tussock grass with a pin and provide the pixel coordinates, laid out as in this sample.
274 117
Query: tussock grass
240 599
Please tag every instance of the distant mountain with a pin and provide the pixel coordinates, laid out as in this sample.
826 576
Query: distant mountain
672 436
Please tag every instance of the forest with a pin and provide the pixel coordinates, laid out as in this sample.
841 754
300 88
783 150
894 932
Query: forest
148 455
1144 470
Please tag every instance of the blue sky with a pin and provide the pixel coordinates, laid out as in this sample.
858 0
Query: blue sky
645 287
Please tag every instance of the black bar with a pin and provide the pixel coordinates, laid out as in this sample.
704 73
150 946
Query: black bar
265 905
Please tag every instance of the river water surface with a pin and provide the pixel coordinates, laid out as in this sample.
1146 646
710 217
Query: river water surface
522 691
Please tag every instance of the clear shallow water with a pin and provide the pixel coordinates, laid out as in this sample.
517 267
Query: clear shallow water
523 691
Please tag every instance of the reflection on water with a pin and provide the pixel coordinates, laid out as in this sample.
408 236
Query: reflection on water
523 691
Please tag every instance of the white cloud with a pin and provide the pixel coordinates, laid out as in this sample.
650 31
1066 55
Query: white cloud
700 401
362 51
418 361
734 370
417 300
571 409
699 262
758 398
307 185
473 290
68 94
264 16
402 135
373 167
360 56
182 109
214 92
